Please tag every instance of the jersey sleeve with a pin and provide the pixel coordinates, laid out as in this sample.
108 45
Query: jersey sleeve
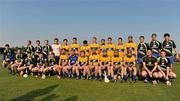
173 43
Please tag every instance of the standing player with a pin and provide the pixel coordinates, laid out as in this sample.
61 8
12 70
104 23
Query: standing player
142 51
46 49
164 68
131 46
103 46
94 63
85 48
110 47
117 65
72 64
105 65
168 46
120 47
29 48
149 71
82 67
130 66
18 61
94 46
65 46
75 46
37 49
56 49
155 45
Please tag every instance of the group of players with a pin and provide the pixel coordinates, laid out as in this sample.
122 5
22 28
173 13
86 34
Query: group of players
122 61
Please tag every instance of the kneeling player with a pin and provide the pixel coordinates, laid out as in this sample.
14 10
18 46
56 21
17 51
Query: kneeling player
82 67
28 65
105 65
18 61
63 61
130 66
51 64
94 63
72 63
149 68
164 68
117 65
40 65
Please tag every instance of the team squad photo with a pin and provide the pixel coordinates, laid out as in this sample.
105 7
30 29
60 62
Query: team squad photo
105 61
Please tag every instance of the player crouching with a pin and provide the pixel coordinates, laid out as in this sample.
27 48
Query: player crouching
40 65
82 67
149 71
130 66
164 68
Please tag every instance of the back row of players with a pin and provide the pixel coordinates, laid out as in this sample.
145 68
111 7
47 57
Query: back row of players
118 61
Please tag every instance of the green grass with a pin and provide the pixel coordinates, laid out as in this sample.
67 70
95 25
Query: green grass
16 88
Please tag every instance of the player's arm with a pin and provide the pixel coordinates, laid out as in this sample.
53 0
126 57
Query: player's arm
155 67
176 50
144 65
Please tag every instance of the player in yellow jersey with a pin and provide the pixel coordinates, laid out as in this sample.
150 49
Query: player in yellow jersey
85 48
120 47
75 46
63 61
102 46
104 64
131 46
65 46
130 66
110 47
94 45
117 65
82 67
94 63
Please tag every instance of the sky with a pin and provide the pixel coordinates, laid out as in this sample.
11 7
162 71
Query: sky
22 20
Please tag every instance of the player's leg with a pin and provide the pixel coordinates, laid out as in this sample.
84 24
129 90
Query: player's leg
134 73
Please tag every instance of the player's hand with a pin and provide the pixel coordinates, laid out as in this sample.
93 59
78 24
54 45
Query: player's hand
177 56
150 74
166 78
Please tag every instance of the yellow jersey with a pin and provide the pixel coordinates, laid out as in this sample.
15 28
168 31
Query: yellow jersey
110 49
94 46
82 60
120 49
66 47
116 60
75 47
94 59
63 59
86 49
102 48
129 60
105 60
132 47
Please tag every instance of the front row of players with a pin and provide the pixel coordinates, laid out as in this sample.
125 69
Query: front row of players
96 66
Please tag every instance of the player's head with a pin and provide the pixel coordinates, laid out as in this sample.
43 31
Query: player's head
82 53
85 42
73 52
129 53
52 55
130 38
56 41
116 52
120 40
103 41
163 53
29 42
40 55
65 41
18 50
46 42
149 52
154 37
29 55
167 36
141 39
37 42
7 46
104 52
63 51
109 40
94 40
74 40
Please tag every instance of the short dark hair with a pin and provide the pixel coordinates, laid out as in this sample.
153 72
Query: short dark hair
120 38
166 34
6 45
109 38
85 42
94 38
65 39
75 38
103 40
162 50
153 35
46 40
141 37
37 40
56 39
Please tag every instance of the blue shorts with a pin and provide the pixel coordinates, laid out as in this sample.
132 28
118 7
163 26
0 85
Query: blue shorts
57 59
139 60
171 59
156 55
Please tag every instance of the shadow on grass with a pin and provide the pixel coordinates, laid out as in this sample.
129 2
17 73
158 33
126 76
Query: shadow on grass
30 96
72 98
